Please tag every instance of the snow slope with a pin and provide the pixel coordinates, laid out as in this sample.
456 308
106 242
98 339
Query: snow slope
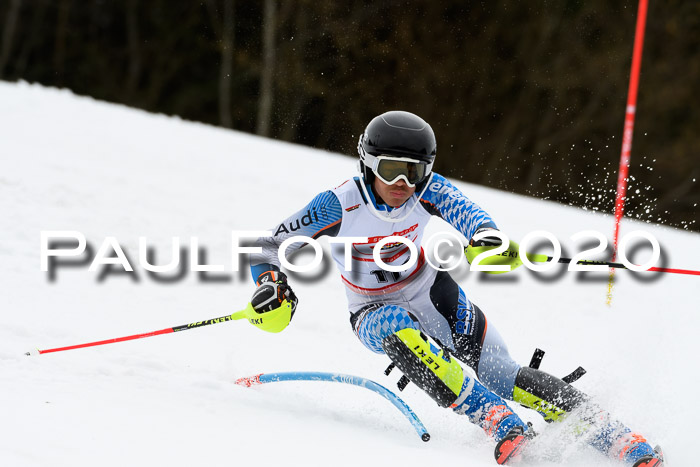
72 163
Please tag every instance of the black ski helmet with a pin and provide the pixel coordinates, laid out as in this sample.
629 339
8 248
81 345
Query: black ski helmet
397 133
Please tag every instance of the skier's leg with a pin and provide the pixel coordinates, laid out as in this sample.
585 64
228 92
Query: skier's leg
472 339
554 399
479 345
392 330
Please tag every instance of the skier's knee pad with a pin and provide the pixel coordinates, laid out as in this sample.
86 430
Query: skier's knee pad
547 394
424 365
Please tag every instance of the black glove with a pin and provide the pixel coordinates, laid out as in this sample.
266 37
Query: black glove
509 257
272 290
486 241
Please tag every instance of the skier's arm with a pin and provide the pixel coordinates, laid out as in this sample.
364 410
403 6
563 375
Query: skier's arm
320 217
445 200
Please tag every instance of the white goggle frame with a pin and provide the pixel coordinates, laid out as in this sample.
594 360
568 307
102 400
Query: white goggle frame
372 162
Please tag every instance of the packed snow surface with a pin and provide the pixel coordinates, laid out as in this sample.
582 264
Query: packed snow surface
71 163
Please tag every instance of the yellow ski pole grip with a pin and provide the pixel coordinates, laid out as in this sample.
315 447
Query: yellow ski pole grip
270 321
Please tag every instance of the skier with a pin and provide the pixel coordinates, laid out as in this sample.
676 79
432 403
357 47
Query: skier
420 318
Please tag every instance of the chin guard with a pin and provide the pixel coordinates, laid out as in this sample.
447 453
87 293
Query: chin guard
536 359
435 373
552 397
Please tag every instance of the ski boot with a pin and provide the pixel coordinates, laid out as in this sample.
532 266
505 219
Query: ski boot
513 443
656 460
632 448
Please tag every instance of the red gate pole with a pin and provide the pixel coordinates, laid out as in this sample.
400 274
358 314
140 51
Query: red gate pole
623 173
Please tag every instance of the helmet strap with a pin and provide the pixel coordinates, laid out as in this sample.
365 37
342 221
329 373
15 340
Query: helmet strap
365 172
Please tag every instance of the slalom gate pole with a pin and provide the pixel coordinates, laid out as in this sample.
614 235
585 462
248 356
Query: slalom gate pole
623 174
244 313
264 378
621 266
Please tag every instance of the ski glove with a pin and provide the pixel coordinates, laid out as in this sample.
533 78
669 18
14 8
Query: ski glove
272 290
509 257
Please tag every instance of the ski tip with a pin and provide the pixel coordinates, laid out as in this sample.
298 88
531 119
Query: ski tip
425 437
249 380
32 353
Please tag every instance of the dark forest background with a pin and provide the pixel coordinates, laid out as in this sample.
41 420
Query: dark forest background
523 96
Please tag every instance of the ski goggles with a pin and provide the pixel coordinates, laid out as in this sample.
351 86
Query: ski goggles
391 169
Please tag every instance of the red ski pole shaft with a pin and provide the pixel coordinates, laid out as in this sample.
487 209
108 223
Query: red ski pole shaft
237 315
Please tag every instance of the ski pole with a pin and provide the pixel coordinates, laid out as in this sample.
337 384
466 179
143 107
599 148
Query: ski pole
271 321
541 259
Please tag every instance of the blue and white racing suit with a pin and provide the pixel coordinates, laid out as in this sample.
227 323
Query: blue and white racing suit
382 302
